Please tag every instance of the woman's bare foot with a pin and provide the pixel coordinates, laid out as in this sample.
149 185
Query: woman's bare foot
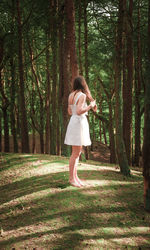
79 181
74 183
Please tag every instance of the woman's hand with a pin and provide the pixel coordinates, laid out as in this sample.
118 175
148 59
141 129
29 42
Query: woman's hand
93 103
95 108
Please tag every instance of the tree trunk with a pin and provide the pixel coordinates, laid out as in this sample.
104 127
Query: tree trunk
12 107
128 83
0 132
111 136
70 65
33 141
104 133
23 113
13 89
146 143
86 43
54 78
60 143
111 131
86 64
66 86
37 82
137 93
5 104
6 129
120 147
70 12
47 104
79 37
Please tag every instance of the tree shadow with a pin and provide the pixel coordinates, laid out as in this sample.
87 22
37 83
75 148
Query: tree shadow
16 161
53 205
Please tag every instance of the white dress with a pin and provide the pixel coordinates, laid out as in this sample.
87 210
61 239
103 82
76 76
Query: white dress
77 133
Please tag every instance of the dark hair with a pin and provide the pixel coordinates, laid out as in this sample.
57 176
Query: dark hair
78 84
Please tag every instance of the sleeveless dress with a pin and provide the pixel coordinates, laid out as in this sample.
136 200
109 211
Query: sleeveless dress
77 133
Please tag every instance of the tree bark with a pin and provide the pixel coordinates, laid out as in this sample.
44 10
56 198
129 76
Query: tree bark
70 69
111 131
13 89
128 83
120 147
66 86
70 12
60 133
79 37
0 132
138 81
5 105
47 104
23 113
39 124
12 107
86 64
146 143
54 77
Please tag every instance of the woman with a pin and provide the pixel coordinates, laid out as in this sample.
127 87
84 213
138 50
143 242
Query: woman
77 134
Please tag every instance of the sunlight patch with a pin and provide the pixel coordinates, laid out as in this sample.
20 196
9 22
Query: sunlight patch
46 168
132 241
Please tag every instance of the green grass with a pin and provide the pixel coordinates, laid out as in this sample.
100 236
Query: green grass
39 209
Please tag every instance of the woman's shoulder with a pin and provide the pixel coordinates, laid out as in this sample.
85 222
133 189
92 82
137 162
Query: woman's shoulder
83 94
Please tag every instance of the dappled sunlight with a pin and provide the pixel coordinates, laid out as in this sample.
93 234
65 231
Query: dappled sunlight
44 167
134 241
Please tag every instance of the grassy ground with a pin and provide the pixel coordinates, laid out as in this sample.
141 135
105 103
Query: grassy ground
40 210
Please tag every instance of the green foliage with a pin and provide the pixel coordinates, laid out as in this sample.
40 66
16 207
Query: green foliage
37 32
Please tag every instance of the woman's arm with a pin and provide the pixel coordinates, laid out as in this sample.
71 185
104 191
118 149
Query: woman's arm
69 110
80 106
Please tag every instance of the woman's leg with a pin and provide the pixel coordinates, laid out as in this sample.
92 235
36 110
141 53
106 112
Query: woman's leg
76 175
73 178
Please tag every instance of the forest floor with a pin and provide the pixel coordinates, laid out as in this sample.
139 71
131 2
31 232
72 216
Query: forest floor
40 210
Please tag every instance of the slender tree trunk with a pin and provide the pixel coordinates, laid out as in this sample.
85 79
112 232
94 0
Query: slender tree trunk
6 129
23 113
61 78
70 11
70 63
47 104
104 133
0 132
86 42
100 112
1 59
120 147
128 84
146 144
79 37
12 107
37 82
33 141
54 78
111 131
86 64
111 136
66 86
137 93
13 89
5 105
